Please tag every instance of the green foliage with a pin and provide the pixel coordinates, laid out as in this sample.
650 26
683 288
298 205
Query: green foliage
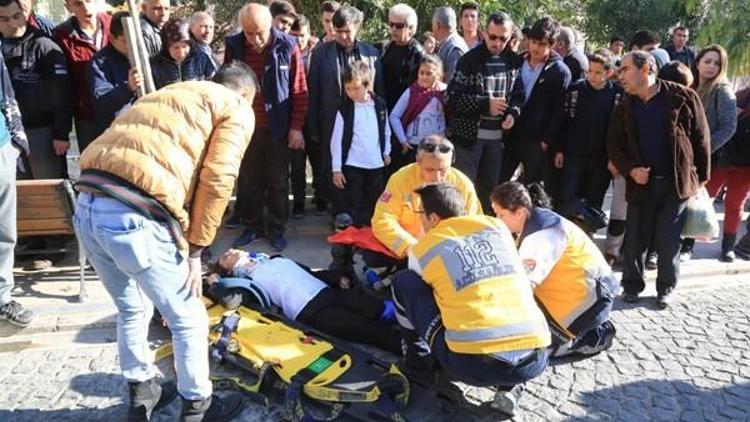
711 21
726 23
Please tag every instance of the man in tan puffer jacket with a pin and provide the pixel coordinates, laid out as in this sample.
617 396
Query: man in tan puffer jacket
154 188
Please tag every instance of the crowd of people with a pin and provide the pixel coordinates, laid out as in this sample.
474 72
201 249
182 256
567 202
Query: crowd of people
477 156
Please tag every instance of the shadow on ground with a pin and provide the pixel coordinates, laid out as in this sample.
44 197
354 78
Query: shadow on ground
665 400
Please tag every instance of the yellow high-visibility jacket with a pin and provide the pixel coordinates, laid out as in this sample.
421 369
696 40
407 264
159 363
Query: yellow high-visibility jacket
396 223
485 299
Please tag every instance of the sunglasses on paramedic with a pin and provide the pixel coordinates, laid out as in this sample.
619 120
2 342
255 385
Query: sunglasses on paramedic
397 25
431 148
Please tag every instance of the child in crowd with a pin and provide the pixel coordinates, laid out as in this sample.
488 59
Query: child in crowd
429 42
303 296
360 144
582 153
178 61
419 111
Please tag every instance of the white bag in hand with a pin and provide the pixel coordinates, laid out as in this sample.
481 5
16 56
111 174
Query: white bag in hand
701 222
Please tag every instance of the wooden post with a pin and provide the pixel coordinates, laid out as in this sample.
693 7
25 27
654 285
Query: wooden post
133 55
142 56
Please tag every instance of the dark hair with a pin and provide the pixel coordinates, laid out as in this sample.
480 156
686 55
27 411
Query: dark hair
116 28
300 22
329 6
642 58
469 5
680 28
282 7
442 199
643 37
602 57
423 37
347 15
499 18
514 195
6 3
525 31
358 71
545 29
236 76
617 38
677 72
517 34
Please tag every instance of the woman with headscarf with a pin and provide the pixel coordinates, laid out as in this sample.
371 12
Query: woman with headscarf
178 60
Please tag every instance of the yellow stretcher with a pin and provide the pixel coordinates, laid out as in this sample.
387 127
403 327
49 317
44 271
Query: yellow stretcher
305 361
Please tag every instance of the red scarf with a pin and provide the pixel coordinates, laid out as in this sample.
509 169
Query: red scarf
418 99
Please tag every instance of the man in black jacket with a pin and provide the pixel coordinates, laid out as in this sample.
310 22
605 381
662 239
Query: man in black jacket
326 89
39 74
155 15
485 98
545 79
400 62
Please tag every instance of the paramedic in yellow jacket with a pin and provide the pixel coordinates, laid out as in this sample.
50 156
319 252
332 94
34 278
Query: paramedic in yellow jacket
395 222
466 301
154 188
572 281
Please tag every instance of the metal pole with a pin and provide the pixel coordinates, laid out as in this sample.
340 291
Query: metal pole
143 57
127 23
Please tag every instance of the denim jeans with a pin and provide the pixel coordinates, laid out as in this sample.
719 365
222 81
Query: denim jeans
415 302
8 158
141 267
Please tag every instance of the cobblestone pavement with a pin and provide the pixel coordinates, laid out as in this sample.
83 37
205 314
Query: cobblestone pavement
688 363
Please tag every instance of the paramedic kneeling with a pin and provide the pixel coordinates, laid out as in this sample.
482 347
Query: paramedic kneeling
467 299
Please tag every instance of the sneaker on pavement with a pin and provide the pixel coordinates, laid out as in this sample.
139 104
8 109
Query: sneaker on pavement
233 222
652 261
278 242
213 408
148 396
663 300
247 238
298 210
629 297
16 314
686 255
507 401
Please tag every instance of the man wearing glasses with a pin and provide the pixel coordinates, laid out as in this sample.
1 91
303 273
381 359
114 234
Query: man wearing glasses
396 222
486 99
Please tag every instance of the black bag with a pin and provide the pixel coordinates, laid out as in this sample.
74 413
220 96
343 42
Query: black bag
740 142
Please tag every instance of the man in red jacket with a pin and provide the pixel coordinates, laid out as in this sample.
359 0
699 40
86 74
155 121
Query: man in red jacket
80 37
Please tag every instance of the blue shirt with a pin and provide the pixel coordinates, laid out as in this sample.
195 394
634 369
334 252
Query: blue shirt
651 122
529 76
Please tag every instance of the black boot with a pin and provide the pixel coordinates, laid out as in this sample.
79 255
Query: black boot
213 408
147 396
727 247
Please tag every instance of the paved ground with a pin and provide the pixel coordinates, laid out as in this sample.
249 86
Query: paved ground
691 362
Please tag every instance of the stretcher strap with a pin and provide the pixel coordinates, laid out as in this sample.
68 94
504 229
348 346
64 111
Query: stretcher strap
229 325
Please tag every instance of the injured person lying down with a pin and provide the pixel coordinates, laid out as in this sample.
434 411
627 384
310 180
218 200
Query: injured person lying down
320 299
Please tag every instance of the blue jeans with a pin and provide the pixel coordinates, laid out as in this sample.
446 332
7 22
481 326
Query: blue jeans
8 158
141 267
416 302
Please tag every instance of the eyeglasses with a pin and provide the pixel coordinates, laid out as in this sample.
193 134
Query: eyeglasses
397 25
443 149
493 37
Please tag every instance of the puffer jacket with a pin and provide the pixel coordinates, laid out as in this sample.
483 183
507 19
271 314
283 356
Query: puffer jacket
181 145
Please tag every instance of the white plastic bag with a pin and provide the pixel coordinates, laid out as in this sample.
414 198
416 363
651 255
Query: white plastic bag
701 221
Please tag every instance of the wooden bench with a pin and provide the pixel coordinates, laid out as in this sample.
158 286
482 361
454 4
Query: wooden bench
46 208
